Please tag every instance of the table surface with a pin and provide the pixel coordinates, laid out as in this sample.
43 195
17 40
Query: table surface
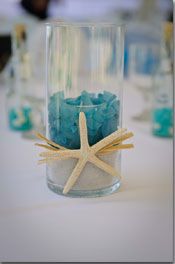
134 224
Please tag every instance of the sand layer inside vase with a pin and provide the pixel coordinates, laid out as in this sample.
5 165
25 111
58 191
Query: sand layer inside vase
91 178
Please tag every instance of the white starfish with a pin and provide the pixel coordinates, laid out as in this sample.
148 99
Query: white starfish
85 154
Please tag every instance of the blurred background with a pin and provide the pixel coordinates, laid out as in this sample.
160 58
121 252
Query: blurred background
147 112
148 54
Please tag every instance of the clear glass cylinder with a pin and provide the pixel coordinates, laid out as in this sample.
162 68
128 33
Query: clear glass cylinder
19 110
24 106
84 69
162 110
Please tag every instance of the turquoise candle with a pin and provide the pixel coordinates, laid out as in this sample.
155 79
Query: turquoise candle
163 122
20 118
102 114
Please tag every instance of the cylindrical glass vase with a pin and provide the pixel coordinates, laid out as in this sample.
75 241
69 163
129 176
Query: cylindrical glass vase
84 68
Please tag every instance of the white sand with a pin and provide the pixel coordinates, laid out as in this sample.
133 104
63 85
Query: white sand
91 178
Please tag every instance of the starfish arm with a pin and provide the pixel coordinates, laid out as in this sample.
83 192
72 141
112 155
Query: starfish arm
61 154
104 166
74 176
107 140
83 131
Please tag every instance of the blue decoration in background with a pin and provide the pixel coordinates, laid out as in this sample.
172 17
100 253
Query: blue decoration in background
163 122
20 119
102 113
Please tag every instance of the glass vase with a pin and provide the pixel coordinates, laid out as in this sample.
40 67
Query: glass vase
19 110
162 110
84 69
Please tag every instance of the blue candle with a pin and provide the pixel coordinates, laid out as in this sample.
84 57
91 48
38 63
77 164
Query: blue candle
102 114
163 122
20 118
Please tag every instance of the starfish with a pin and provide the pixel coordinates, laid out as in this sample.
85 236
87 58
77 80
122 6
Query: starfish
86 153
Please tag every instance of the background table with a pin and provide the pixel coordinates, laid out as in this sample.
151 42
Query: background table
134 224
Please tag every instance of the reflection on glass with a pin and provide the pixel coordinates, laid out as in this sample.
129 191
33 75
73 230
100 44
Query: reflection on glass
143 60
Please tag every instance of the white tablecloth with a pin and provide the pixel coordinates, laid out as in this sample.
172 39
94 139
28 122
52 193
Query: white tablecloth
134 224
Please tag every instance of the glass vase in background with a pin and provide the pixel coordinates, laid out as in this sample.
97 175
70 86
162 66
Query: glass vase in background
143 61
84 74
19 72
162 109
24 108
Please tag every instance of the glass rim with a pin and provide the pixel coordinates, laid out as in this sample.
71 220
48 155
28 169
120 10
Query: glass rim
86 24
